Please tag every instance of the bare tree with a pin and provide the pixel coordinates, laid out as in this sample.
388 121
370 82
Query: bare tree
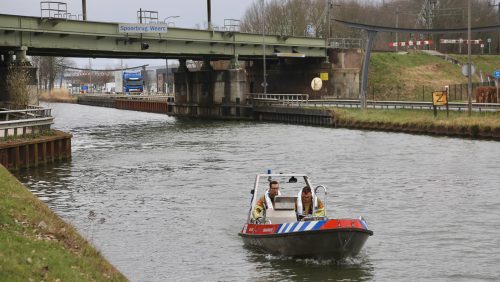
48 70
291 17
103 77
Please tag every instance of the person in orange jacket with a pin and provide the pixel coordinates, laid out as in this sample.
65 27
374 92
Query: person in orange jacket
304 205
266 201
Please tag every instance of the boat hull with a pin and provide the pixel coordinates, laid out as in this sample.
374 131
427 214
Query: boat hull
332 241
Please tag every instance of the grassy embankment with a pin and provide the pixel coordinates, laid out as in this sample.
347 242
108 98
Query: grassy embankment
422 121
395 76
37 245
486 63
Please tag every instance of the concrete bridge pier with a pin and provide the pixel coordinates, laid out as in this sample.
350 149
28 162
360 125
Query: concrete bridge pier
3 77
235 89
17 78
201 96
209 92
182 87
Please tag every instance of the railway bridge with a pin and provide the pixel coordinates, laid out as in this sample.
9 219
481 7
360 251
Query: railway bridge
289 62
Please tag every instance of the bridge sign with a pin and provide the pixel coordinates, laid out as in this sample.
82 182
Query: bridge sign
142 28
496 74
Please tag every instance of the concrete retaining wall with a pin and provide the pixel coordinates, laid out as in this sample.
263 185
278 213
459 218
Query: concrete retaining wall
295 115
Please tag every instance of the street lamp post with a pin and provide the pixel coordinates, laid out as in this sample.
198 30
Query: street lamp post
264 84
169 17
397 26
469 74
90 76
84 9
166 59
209 14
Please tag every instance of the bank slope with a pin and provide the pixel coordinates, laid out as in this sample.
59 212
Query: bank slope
407 76
35 244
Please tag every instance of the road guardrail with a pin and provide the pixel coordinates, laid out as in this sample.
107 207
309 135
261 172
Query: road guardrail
403 105
32 120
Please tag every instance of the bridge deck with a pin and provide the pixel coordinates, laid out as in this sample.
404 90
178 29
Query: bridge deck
72 38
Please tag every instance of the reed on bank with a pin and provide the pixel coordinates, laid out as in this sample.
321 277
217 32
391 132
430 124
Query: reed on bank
479 123
36 245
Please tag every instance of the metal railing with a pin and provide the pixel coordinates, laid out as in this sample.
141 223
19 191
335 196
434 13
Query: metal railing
32 120
346 43
278 99
56 10
156 96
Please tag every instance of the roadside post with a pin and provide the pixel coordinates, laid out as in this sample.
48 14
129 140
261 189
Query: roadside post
440 98
447 89
496 75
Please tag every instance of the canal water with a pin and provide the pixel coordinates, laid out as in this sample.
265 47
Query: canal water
164 198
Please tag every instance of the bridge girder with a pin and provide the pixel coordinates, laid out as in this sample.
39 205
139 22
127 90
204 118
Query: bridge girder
71 38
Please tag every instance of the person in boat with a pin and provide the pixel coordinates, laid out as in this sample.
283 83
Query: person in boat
304 205
266 201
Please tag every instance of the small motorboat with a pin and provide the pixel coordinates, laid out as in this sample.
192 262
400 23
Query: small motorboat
282 231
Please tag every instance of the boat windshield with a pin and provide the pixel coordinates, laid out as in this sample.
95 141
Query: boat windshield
290 185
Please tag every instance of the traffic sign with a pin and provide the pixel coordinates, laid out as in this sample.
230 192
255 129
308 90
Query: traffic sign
465 70
316 84
496 74
310 30
439 98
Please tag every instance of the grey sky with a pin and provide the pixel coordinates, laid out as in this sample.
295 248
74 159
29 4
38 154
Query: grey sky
190 12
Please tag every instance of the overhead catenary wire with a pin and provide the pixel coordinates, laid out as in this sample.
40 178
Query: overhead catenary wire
89 69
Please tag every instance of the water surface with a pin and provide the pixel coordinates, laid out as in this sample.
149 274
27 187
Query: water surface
170 195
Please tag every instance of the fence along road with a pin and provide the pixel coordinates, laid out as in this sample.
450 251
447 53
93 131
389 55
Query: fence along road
300 100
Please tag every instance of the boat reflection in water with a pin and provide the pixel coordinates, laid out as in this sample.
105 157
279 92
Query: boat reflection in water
281 232
278 268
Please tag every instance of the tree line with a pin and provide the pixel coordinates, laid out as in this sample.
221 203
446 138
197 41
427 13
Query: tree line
310 18
52 68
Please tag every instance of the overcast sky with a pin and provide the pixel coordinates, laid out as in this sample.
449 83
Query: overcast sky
190 12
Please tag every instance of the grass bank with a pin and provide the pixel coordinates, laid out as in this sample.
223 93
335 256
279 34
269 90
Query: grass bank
414 75
22 138
479 125
485 63
36 245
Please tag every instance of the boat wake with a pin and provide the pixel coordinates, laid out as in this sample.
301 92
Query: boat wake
360 260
